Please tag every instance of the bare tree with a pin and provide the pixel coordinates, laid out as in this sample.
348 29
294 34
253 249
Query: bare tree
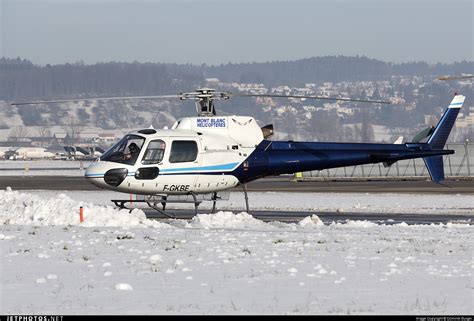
365 131
325 126
73 128
19 132
349 133
44 131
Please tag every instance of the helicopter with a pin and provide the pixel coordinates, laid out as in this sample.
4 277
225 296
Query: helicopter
201 158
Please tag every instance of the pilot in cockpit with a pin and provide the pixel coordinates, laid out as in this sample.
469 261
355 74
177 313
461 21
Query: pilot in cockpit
134 150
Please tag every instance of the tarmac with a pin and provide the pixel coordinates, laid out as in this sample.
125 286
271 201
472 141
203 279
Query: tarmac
276 184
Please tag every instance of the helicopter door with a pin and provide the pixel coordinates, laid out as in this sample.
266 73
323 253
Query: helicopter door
182 166
147 166
152 157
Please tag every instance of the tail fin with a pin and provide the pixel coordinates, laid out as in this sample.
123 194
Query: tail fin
440 136
445 124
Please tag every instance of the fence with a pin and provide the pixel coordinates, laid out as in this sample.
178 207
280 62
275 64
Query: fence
460 165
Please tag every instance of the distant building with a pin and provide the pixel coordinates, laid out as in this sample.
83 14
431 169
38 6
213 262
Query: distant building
465 120
106 138
431 120
60 137
9 143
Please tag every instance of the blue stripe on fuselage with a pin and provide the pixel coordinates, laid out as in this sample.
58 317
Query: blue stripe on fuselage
224 167
214 169
101 175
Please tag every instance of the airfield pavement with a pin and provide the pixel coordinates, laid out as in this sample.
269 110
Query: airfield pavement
275 184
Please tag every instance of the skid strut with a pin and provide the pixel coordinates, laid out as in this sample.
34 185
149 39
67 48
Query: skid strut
214 199
121 203
163 203
154 205
244 187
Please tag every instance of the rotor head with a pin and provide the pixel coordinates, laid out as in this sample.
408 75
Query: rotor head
204 100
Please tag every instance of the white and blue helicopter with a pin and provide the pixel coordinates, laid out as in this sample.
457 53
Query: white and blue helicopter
200 158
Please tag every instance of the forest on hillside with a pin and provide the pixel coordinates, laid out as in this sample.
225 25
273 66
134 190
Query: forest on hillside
356 77
22 79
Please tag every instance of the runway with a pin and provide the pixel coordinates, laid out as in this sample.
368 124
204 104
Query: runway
329 217
276 184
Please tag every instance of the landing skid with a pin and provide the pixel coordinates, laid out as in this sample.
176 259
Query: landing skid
164 200
159 202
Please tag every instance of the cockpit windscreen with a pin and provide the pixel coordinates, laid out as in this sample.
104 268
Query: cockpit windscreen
126 151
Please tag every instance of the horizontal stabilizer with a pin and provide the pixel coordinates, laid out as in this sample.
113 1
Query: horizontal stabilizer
399 141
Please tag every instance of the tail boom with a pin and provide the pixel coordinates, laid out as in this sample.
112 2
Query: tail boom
286 157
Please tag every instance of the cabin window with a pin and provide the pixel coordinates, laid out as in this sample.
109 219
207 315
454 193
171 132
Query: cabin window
154 152
147 173
183 151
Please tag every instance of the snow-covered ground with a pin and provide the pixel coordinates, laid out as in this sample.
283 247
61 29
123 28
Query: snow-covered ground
123 263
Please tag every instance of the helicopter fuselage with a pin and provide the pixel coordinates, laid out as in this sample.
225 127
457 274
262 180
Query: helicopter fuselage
197 155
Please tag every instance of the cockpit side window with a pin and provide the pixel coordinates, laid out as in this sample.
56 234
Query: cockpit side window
183 151
154 152
126 151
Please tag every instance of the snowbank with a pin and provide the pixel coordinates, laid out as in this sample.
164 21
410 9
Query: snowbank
27 209
311 221
364 224
226 220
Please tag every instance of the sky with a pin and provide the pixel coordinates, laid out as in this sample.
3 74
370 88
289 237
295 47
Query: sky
215 32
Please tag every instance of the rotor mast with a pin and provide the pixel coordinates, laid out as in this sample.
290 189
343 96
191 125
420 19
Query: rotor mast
204 100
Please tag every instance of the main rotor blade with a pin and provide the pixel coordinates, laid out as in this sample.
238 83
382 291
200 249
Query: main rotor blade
94 99
311 97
